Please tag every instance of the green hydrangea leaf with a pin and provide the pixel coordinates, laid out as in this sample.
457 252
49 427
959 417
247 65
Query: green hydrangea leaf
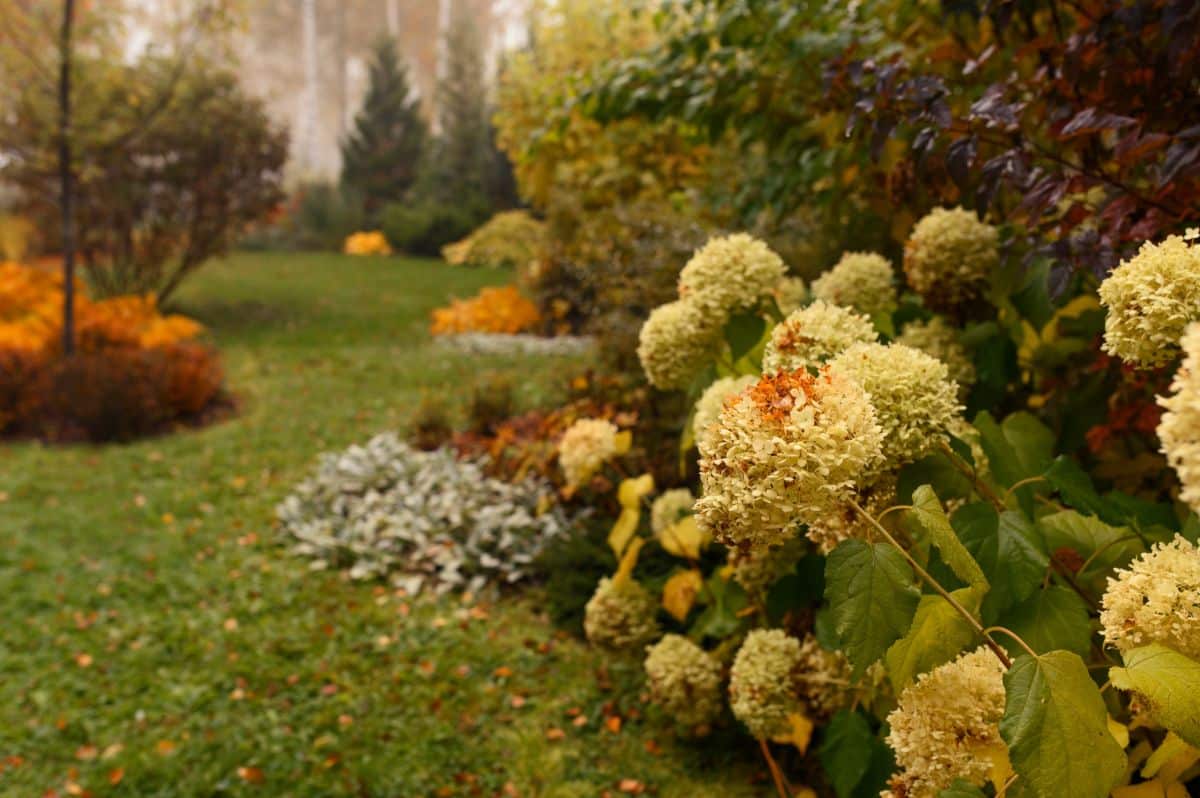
1054 618
743 332
927 518
872 594
1070 531
1056 727
962 789
937 635
1009 549
856 761
1078 491
1169 685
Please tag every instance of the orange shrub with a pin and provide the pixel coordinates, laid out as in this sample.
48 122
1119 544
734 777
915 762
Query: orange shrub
494 310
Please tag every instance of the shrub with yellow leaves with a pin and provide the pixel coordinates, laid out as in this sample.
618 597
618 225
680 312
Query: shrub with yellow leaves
367 243
500 310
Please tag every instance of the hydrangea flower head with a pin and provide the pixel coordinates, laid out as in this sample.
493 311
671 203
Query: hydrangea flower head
710 403
790 294
587 445
669 508
1156 599
676 342
938 339
1179 429
914 398
684 680
1151 298
812 335
783 451
947 726
731 273
620 615
949 256
863 281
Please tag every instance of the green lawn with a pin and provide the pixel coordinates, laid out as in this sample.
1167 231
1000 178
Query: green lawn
158 641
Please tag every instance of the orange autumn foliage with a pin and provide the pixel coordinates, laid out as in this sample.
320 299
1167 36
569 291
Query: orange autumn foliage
494 310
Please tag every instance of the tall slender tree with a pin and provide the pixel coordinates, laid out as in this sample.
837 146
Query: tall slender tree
381 156
465 148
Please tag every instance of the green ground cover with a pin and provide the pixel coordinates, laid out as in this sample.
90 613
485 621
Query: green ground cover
158 641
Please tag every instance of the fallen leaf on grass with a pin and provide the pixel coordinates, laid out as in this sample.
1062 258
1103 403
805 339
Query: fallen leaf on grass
115 776
613 723
555 734
251 775
631 787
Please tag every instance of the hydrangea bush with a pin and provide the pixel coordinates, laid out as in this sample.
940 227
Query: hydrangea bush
425 520
932 581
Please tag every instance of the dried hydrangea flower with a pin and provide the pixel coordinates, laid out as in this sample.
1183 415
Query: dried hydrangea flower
775 675
757 569
863 281
710 403
669 508
1179 429
676 342
684 680
620 615
790 294
938 339
1156 599
587 445
729 274
810 336
949 255
947 726
1150 299
914 398
784 451
845 522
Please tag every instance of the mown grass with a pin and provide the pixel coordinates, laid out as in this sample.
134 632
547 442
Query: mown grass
158 641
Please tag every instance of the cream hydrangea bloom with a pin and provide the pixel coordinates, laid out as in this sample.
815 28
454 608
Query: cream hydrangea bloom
669 508
1150 299
947 726
845 522
790 294
1179 429
620 615
710 403
1156 599
775 675
730 273
938 339
863 281
684 680
757 569
587 445
676 342
949 255
913 395
783 451
810 336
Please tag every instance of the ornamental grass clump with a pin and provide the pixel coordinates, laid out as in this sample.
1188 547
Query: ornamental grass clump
423 519
862 281
730 274
937 338
914 398
710 403
684 680
676 342
783 452
949 256
811 336
586 446
1179 429
947 727
1156 599
1151 298
620 615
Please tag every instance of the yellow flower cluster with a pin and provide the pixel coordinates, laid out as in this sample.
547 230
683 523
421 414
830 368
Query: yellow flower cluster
1179 429
676 343
937 338
710 403
366 243
669 508
863 281
949 256
620 615
947 726
684 680
586 446
810 336
1156 599
1150 299
914 398
785 451
730 273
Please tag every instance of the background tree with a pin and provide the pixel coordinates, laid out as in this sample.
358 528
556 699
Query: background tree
380 158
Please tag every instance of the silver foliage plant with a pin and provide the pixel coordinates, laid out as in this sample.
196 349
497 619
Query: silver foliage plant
426 520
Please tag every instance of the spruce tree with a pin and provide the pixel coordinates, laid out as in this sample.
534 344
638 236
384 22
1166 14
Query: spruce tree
381 157
465 148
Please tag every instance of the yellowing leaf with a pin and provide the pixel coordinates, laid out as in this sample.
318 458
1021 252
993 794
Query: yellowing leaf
623 529
1171 759
1151 789
628 561
1120 731
683 538
624 441
800 733
679 593
633 490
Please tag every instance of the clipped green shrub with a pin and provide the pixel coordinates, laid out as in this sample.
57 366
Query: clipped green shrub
424 228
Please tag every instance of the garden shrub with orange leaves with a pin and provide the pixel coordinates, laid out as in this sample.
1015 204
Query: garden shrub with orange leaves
367 243
502 310
135 370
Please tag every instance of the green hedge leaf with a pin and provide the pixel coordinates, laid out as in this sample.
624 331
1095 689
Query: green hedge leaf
1056 727
1078 491
1008 548
872 595
1168 684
